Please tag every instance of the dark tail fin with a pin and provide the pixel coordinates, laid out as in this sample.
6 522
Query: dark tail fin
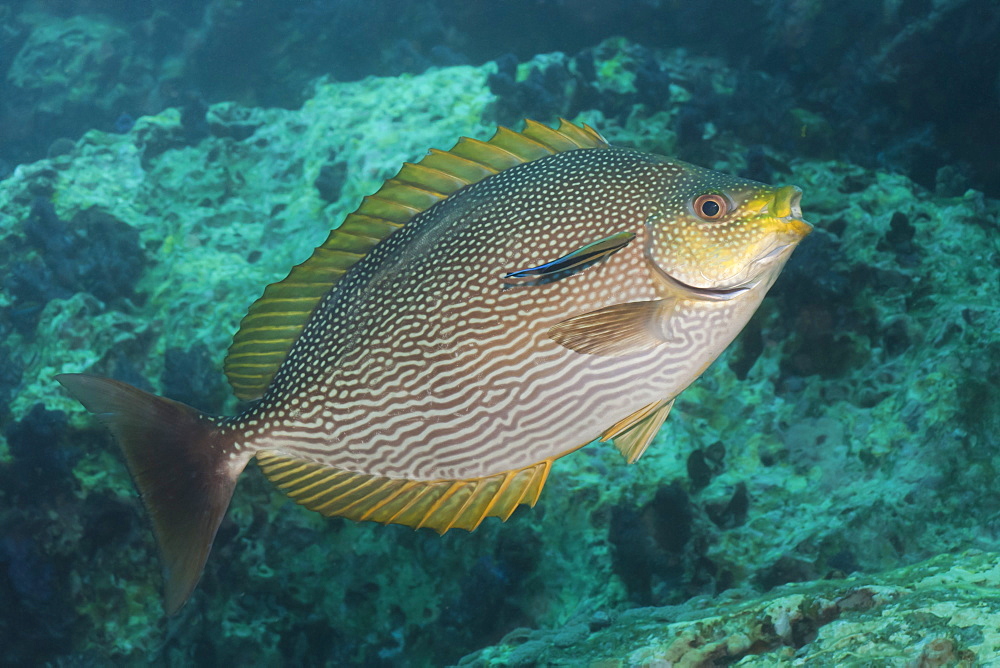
180 466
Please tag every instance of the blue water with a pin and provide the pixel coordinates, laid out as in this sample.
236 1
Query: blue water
160 164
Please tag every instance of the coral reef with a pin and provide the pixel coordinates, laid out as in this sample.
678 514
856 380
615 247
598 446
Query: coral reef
943 612
93 253
887 76
850 428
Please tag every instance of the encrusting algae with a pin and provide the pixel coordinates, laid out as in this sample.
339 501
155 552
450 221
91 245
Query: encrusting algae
490 309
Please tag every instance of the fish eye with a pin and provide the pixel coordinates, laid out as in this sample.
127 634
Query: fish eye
710 206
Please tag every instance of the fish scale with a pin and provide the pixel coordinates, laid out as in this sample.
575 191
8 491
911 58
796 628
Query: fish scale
489 310
465 277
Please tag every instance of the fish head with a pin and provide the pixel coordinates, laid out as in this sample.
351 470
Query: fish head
718 235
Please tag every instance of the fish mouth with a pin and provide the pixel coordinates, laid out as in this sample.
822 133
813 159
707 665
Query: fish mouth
757 269
786 206
705 294
786 203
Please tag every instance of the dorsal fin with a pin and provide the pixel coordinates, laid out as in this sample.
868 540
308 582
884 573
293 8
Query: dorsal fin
276 319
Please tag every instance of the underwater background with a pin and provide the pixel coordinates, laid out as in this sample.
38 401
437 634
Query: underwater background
828 493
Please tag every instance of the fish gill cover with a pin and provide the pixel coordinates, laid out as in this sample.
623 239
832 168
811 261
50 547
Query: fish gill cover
851 428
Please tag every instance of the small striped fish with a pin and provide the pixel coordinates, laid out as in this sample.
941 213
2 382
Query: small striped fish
489 310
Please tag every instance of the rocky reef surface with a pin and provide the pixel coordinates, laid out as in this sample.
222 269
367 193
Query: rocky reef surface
908 84
852 428
942 612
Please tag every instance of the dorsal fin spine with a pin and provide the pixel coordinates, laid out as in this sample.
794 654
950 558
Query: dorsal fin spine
552 139
399 212
486 154
522 147
443 182
470 171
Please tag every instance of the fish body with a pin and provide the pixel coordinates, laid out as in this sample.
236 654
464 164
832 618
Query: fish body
563 291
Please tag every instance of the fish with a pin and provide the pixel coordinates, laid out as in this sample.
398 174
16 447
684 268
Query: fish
489 310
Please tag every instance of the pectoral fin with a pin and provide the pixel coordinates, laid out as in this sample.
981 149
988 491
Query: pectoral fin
581 256
634 434
622 329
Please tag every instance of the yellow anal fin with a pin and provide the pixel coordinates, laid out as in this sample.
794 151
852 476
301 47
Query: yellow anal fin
633 434
277 318
438 504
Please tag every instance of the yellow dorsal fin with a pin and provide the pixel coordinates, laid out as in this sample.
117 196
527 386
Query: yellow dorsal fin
633 434
438 504
276 319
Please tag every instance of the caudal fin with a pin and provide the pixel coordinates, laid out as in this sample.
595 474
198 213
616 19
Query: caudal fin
180 466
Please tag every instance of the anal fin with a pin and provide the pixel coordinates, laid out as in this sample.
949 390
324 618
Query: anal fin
633 434
438 504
